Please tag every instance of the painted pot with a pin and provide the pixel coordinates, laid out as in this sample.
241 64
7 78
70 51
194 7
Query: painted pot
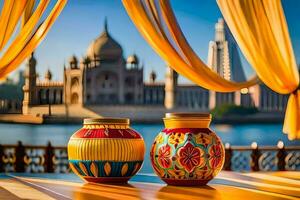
187 152
106 150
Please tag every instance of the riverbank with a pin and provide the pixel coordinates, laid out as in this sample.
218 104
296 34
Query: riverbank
258 118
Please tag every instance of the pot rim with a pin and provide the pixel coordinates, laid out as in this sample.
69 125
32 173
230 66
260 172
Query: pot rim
106 120
191 115
187 120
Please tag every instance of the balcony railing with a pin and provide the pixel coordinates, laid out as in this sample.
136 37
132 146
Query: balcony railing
50 159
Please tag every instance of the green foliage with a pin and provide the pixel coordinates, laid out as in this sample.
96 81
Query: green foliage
228 109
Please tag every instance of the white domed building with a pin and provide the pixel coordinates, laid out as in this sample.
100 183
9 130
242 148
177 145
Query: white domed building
104 76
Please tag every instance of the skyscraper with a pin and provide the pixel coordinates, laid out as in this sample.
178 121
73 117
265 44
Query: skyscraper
224 59
223 56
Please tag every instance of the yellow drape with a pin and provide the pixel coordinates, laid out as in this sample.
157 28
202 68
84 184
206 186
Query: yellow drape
31 33
10 15
261 31
174 49
259 28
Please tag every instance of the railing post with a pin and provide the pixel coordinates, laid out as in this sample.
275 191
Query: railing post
49 153
228 156
20 154
255 154
1 158
281 154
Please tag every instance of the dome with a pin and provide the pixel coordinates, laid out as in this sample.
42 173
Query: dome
85 60
105 47
133 59
73 59
152 76
48 75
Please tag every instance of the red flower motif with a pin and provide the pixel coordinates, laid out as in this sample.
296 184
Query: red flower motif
216 155
190 157
164 156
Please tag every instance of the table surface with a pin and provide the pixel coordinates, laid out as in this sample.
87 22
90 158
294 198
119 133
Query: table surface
227 185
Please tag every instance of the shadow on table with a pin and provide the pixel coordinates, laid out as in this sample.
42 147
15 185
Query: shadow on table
106 191
142 191
175 192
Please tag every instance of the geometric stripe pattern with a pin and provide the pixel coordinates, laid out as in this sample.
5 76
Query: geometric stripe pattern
114 149
107 133
105 168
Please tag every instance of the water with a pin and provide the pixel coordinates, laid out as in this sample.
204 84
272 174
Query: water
58 135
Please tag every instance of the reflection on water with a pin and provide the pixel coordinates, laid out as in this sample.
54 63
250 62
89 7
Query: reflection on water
59 134
224 128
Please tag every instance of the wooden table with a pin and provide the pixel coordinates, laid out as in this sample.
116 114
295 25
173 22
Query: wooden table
227 185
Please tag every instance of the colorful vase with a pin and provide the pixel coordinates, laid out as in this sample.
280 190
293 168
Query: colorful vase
106 150
187 152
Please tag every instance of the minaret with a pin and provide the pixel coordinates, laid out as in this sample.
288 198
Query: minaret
152 76
170 88
48 76
30 84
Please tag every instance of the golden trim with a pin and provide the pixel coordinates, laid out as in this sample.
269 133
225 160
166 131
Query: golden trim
106 149
188 115
74 138
106 121
110 126
187 120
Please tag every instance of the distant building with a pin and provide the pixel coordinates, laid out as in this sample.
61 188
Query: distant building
11 94
104 77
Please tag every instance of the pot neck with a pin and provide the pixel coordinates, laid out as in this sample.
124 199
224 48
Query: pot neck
187 120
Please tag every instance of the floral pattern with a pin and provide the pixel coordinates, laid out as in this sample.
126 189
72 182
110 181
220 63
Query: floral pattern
164 156
176 138
187 154
159 138
216 156
177 173
190 157
203 138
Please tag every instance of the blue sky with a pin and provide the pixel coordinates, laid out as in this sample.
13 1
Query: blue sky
82 20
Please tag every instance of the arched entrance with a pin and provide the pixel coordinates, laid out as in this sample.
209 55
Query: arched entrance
74 98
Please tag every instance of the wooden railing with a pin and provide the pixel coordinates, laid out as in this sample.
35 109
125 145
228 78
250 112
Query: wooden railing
33 159
49 159
264 158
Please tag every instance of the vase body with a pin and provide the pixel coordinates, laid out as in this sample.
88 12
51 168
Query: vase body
187 152
106 150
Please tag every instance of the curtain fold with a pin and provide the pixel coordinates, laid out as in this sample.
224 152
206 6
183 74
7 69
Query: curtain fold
26 32
11 12
31 33
176 51
261 31
28 11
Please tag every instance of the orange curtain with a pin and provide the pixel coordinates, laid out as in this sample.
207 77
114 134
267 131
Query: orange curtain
31 33
169 42
261 31
254 26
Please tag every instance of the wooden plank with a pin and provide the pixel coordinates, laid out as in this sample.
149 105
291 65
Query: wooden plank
22 191
4 194
138 190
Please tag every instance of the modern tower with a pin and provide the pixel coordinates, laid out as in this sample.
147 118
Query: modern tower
224 59
223 56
